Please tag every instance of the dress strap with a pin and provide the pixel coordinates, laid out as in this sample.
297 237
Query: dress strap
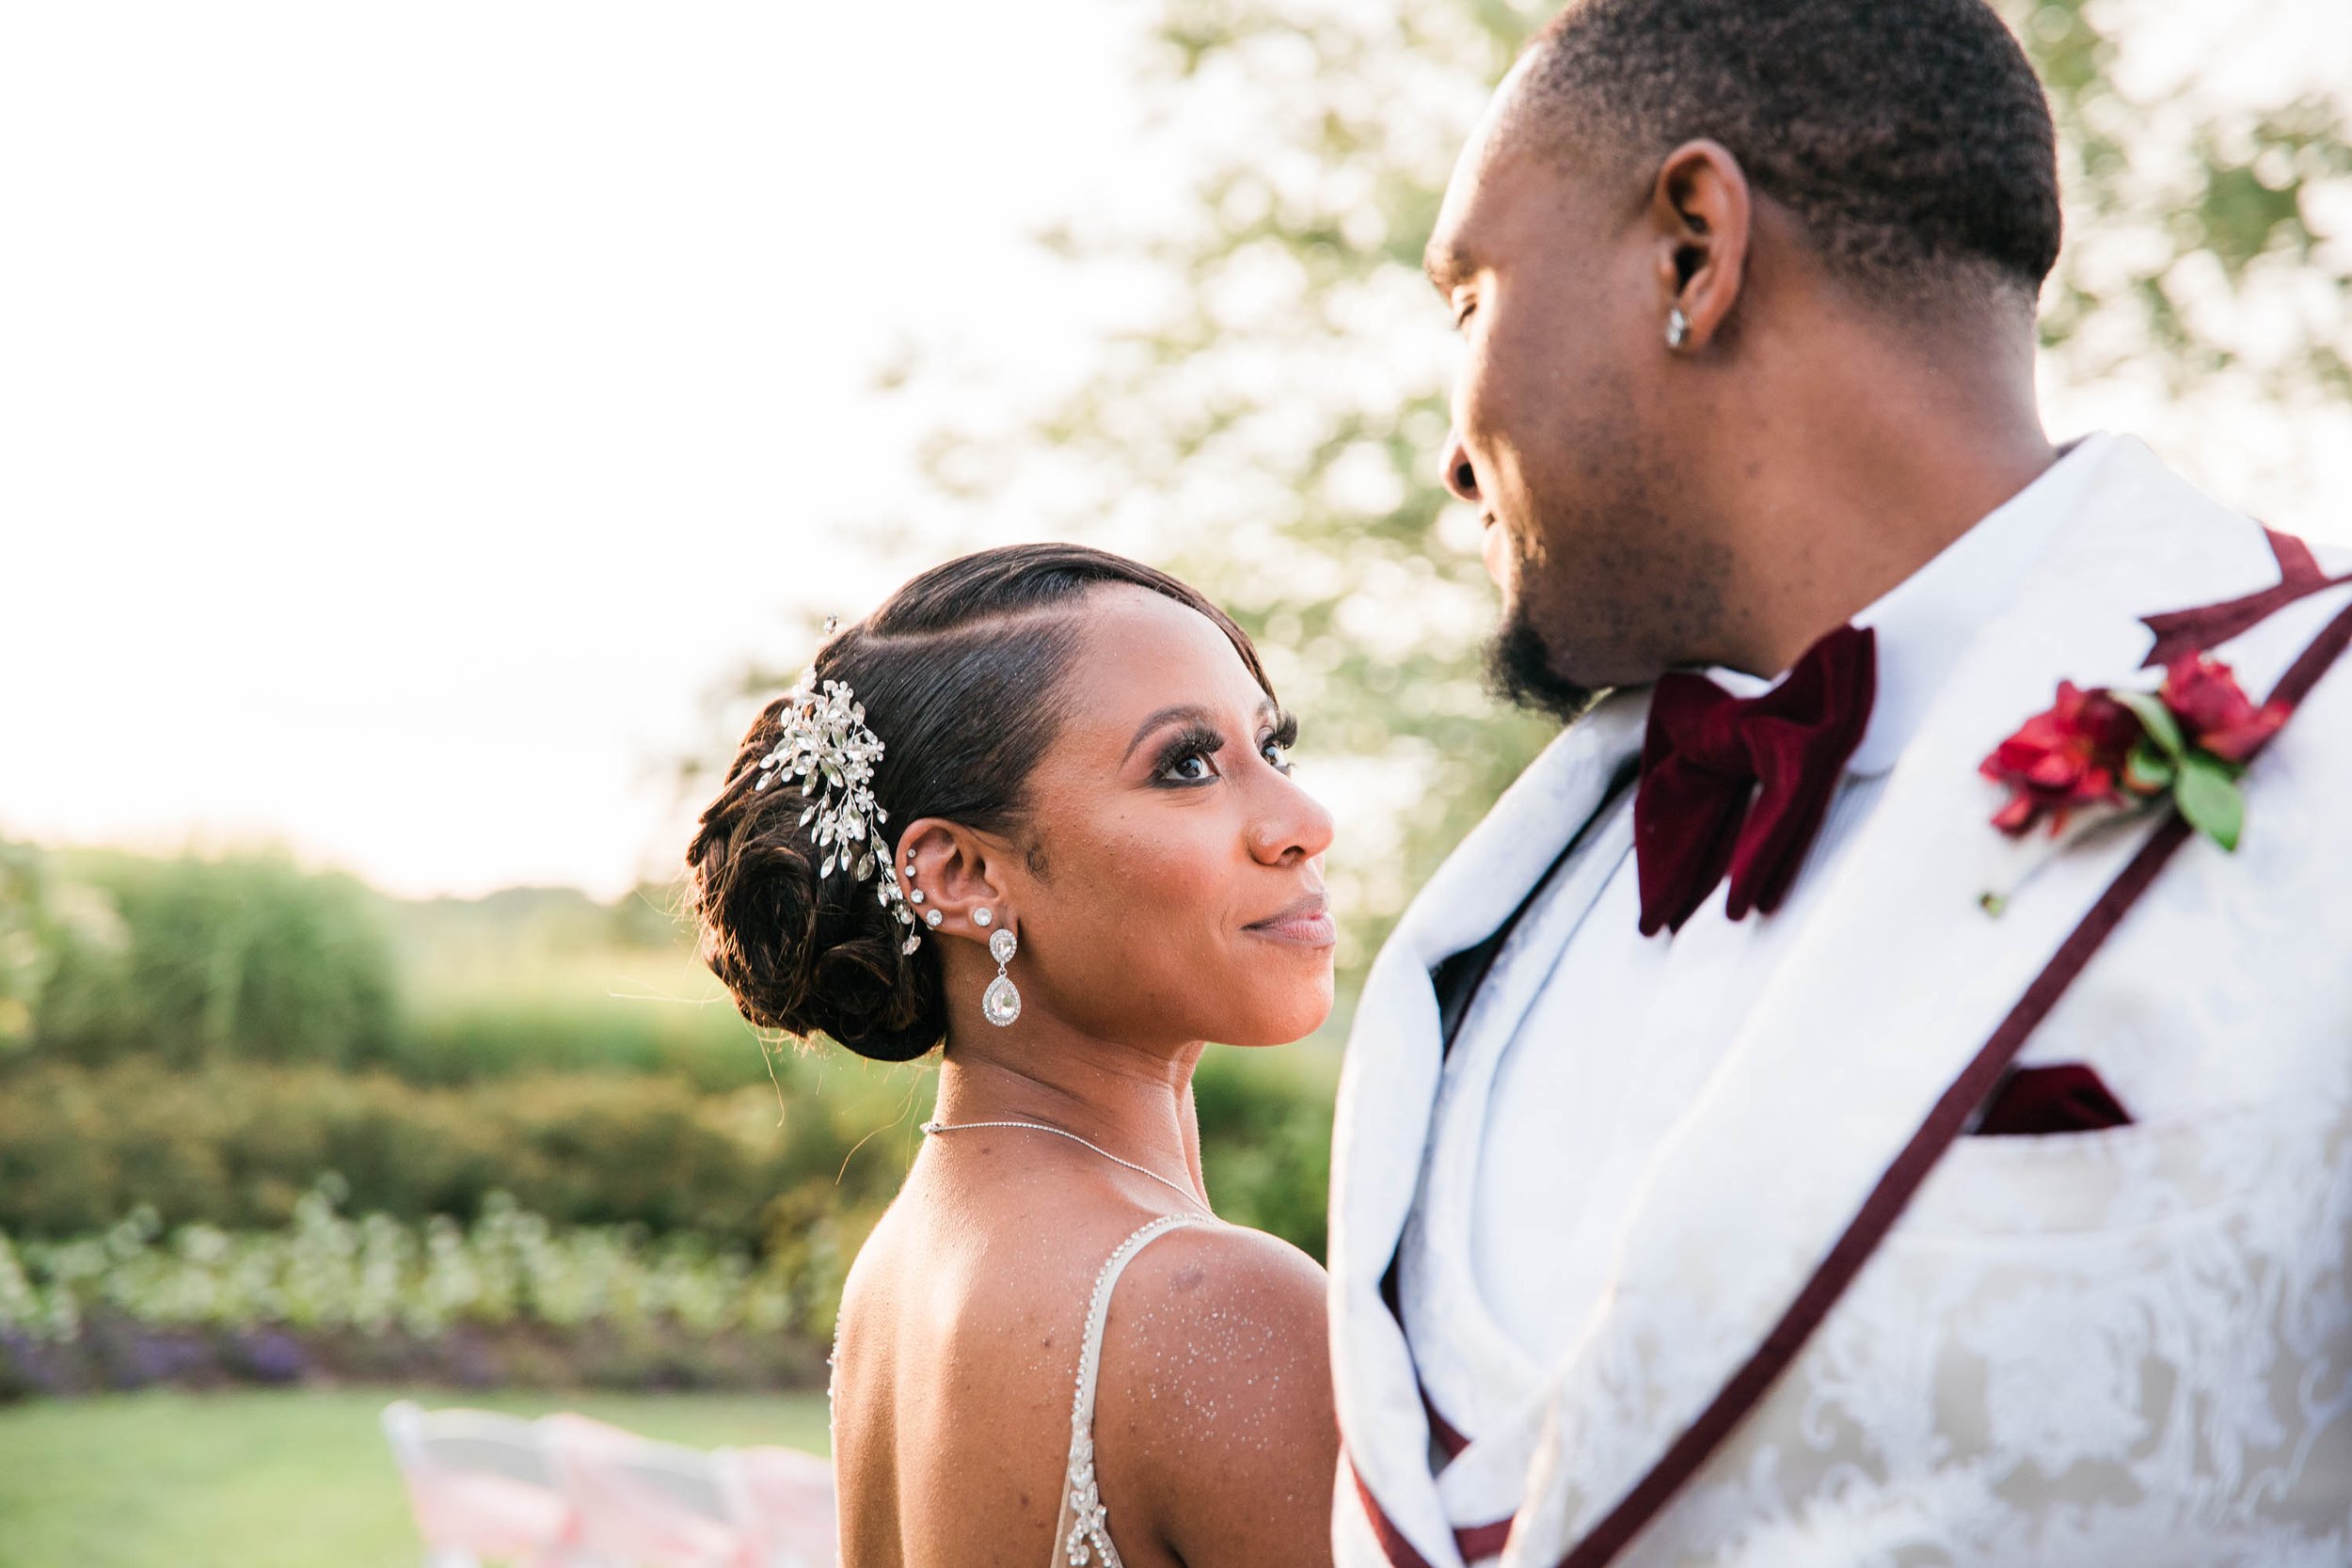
1082 1539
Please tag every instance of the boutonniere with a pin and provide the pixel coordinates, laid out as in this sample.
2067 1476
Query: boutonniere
2099 756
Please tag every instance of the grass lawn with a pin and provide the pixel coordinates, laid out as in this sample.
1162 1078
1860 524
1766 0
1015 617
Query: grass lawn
297 1479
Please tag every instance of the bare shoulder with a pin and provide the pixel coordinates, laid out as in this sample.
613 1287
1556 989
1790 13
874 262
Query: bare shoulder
1215 1401
1213 1302
1227 1268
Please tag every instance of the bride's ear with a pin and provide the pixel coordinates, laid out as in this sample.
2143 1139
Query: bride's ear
949 874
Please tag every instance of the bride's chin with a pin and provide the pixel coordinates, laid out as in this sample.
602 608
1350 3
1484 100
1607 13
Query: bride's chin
1287 1019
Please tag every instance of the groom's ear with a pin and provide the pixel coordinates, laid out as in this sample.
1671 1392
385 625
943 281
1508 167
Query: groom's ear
1701 214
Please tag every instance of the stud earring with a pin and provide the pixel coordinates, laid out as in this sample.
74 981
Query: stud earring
1677 327
983 918
1000 1003
933 918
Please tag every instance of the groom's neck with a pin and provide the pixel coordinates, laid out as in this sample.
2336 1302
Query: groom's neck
1862 454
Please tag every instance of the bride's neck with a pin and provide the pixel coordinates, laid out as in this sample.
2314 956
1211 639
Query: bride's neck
1136 1102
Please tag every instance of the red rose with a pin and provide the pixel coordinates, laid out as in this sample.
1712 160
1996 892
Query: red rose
2215 712
2070 756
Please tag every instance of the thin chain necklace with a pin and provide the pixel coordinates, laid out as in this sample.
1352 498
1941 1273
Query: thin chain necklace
1062 1133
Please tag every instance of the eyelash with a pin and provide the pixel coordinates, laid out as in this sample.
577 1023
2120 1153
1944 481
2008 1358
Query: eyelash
1462 316
1201 742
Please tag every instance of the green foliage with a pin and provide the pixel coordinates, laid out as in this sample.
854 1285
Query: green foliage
2192 226
1265 1140
27 941
104 956
2208 795
204 960
805 1167
238 1146
326 1270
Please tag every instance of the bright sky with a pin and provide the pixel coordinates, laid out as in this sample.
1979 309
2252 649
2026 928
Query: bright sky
407 413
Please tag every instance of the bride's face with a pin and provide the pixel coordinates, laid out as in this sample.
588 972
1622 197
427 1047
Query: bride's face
1174 888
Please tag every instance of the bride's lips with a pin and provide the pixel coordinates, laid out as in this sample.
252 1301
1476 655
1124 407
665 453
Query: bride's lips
1306 922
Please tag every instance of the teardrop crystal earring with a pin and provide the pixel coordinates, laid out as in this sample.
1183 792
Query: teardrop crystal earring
1001 1004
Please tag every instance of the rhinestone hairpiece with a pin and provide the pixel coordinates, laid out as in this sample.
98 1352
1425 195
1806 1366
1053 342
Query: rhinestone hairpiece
828 746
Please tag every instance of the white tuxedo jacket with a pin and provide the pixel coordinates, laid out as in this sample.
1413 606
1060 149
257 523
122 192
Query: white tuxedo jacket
2124 1347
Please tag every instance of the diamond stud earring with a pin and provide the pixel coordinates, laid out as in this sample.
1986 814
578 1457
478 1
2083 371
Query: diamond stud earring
1677 327
933 918
1000 1003
983 918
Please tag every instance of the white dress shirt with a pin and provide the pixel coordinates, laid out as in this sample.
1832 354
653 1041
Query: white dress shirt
1626 1028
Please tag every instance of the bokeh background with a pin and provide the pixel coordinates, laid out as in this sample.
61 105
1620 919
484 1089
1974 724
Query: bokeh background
427 433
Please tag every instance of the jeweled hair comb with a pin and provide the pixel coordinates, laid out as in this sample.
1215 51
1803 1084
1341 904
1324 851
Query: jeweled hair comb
828 746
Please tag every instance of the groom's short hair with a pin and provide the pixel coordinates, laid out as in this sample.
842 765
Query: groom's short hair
1910 137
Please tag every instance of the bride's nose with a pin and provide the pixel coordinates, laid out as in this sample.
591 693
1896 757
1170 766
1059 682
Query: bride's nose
1291 822
1459 477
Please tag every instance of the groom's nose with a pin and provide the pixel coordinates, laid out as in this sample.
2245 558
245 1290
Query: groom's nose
1458 475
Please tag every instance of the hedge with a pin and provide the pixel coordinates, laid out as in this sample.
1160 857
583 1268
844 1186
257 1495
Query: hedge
237 1146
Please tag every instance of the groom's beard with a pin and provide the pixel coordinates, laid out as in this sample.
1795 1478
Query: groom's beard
1519 670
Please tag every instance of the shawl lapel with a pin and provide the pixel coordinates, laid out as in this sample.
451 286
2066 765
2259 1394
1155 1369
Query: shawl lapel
1388 1087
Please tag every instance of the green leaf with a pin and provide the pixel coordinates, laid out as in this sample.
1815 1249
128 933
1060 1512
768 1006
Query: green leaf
2155 719
2210 799
2148 770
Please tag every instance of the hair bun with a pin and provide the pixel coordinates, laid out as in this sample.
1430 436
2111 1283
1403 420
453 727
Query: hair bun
800 952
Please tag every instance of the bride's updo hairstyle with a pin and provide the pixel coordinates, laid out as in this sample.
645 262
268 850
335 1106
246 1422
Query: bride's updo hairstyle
960 674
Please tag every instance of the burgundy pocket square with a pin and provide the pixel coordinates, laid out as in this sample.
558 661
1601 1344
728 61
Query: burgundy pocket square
2036 1101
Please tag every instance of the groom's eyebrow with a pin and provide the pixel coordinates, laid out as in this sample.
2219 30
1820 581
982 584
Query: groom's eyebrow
1185 712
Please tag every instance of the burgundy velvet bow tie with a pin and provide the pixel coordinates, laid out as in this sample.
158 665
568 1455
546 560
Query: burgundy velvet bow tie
1741 784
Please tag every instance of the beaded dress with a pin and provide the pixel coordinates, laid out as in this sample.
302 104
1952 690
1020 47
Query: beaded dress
1082 1540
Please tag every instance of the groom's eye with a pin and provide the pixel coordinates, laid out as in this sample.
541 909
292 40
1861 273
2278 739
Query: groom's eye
1464 308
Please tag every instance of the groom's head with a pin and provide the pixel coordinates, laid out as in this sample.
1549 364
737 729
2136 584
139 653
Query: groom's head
1684 231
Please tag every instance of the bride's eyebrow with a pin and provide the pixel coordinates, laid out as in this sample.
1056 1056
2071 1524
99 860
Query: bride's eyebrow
1185 712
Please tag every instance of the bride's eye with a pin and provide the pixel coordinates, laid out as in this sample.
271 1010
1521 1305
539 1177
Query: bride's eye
1189 758
1192 767
1276 747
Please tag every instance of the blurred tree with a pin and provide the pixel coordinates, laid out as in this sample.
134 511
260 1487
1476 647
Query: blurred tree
27 940
1272 427
242 956
50 923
